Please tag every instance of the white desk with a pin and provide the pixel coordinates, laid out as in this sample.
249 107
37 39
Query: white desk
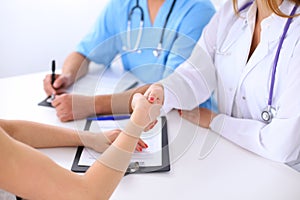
228 172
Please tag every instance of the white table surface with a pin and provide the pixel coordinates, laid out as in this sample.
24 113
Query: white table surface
226 172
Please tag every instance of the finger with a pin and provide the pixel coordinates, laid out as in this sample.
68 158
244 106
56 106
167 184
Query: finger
153 124
59 82
146 94
150 94
150 126
152 97
185 113
155 94
48 86
138 148
64 114
155 97
179 112
142 144
55 89
136 97
111 135
61 91
56 101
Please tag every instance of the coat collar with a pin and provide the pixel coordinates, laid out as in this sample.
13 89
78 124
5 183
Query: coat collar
271 32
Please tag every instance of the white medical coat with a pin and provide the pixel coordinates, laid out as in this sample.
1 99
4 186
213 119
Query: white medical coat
220 63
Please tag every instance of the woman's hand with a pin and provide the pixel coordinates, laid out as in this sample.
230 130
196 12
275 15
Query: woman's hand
101 141
199 116
155 94
113 134
144 113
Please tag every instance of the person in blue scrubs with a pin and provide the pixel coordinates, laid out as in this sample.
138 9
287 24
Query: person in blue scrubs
150 51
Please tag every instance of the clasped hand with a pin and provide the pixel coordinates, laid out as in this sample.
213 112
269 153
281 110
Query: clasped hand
199 116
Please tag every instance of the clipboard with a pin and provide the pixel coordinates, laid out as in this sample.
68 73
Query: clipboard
46 102
165 164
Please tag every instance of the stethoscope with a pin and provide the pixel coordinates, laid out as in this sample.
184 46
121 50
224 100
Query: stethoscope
158 50
269 112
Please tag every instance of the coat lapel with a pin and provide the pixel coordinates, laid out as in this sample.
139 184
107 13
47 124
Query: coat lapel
269 38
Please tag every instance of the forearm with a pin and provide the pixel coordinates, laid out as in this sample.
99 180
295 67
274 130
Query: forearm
104 171
41 135
119 103
75 66
27 168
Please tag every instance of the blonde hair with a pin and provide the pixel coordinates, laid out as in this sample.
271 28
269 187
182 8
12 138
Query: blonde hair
273 5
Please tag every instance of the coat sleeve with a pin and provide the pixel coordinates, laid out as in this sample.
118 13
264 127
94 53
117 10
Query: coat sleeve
195 79
191 83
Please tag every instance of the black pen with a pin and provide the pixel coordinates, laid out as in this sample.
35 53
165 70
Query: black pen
53 77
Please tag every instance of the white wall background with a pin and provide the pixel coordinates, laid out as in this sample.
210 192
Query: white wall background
34 32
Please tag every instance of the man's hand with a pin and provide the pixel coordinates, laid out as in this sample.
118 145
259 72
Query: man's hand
144 113
61 83
71 107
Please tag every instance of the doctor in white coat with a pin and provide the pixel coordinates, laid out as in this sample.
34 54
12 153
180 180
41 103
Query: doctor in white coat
257 90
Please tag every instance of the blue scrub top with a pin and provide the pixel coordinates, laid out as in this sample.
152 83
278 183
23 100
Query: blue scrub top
108 37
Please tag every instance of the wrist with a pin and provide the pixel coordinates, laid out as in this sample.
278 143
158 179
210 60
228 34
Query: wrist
132 129
86 139
70 78
102 104
95 141
139 117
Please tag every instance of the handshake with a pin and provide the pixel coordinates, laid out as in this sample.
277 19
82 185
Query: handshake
146 108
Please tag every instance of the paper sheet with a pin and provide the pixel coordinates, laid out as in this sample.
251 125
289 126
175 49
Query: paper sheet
149 157
103 82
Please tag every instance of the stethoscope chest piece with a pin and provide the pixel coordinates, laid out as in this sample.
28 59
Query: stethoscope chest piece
156 52
268 113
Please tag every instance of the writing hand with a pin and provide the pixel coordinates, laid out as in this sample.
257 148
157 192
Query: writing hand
61 83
